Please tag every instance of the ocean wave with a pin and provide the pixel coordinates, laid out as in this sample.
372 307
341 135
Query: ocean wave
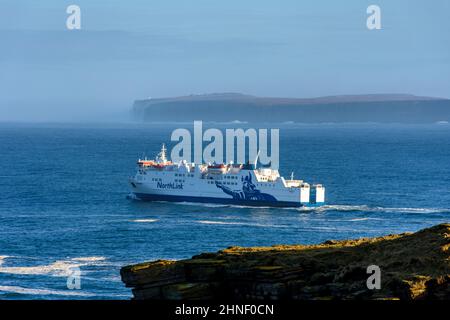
336 229
300 227
326 208
60 268
45 292
206 205
236 223
384 193
89 259
415 210
362 219
366 208
219 222
113 278
2 258
144 220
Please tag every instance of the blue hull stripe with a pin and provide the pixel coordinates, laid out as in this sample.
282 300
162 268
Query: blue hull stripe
158 197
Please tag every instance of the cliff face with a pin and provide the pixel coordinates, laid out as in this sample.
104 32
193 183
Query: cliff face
413 266
231 107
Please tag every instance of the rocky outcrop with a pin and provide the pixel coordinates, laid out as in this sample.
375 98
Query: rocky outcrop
413 266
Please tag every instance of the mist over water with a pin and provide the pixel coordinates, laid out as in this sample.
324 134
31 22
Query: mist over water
128 51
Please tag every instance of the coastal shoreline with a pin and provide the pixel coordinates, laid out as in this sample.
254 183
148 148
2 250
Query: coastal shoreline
413 266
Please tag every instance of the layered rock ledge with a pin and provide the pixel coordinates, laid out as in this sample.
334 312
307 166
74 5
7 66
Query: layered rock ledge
413 266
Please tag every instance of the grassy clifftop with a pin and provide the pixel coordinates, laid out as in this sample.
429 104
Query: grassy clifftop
413 266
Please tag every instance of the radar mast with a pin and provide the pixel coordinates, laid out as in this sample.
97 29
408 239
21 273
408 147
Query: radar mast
162 154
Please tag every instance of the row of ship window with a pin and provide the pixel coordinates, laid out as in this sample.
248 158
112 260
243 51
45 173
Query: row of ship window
224 177
226 182
235 183
159 179
184 175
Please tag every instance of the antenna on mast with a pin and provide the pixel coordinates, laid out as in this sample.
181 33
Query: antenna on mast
292 175
162 154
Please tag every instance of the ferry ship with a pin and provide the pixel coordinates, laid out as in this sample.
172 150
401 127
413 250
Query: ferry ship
238 184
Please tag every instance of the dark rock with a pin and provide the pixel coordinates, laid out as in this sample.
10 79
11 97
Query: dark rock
203 269
413 266
190 291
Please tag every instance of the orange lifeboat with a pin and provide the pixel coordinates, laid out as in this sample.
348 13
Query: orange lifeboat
145 163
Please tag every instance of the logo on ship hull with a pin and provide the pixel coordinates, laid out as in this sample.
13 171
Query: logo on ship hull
170 185
248 192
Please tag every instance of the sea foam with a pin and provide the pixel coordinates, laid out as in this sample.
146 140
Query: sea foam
60 268
41 292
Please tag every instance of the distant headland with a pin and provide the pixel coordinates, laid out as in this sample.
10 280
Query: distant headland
228 107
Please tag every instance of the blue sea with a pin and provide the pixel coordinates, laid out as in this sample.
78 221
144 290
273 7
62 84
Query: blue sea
64 202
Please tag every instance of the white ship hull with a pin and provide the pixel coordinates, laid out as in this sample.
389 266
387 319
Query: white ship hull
162 180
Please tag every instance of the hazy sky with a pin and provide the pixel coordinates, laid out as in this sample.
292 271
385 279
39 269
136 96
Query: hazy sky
130 50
